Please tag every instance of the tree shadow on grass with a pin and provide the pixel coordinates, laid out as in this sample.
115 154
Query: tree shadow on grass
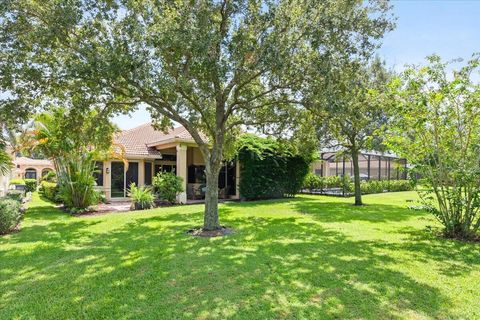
345 212
149 268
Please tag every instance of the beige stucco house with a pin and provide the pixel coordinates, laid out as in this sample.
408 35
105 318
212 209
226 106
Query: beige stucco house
149 151
28 168
25 168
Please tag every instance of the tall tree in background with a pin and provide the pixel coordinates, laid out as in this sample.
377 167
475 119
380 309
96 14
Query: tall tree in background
352 110
212 66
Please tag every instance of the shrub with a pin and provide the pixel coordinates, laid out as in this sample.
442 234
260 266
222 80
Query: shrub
269 168
312 182
142 198
17 181
50 177
30 185
10 214
167 186
379 186
333 182
76 183
400 185
346 184
50 191
296 169
16 195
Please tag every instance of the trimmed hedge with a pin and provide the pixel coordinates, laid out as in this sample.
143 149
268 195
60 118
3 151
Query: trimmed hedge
314 182
10 214
30 185
17 195
269 169
17 181
50 191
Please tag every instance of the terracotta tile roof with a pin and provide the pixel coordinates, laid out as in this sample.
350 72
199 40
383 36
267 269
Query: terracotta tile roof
24 161
136 141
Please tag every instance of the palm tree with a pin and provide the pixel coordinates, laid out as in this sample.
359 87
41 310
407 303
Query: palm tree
5 161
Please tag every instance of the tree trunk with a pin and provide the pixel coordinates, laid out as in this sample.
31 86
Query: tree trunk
212 170
356 177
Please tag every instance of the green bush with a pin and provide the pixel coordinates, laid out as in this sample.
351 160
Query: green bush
379 186
167 186
17 181
10 214
16 195
296 169
50 177
313 182
333 182
76 183
30 185
400 185
142 198
269 168
50 191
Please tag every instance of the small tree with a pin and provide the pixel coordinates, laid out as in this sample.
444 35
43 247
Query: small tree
438 131
73 142
168 186
351 110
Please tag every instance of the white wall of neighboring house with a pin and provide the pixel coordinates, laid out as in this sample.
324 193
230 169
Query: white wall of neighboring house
4 185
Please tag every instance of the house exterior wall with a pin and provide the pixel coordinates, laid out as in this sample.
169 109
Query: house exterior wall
4 184
20 169
186 154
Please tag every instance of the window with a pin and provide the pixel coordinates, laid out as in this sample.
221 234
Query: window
45 172
148 173
196 174
98 174
164 168
132 174
169 157
31 174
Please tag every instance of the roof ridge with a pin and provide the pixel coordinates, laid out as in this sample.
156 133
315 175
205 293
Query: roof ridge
136 128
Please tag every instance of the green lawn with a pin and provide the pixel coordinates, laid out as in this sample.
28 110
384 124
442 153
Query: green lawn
311 257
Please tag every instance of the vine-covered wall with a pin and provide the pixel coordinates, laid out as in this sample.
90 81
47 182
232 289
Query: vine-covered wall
270 168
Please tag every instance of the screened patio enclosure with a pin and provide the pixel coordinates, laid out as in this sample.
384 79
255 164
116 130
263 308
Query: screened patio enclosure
372 166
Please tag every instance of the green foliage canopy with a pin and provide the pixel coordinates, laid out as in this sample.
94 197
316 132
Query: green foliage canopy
270 168
212 66
438 131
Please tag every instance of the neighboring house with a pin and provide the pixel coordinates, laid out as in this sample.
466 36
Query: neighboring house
149 151
28 168
373 166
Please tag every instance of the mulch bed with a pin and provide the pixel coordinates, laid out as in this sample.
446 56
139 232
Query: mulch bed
199 232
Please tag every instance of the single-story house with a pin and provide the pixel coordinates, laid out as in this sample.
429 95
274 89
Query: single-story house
149 151
373 165
28 168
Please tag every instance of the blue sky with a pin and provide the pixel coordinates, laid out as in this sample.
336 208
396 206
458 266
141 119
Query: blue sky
448 28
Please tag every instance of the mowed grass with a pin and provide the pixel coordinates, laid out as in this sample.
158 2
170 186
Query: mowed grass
311 257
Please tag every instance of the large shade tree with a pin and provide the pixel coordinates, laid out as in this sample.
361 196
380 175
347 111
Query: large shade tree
212 66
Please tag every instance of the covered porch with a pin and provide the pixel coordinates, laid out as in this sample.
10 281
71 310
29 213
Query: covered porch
185 160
